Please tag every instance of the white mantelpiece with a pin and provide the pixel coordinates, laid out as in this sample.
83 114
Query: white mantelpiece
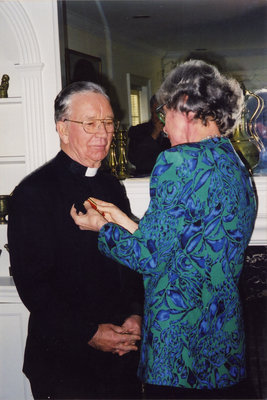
138 193
259 236
137 190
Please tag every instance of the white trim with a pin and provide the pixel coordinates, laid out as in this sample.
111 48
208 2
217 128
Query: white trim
33 114
21 25
259 236
11 100
30 68
5 160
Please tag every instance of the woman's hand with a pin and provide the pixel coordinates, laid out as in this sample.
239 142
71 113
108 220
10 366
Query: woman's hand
92 220
132 324
113 214
112 338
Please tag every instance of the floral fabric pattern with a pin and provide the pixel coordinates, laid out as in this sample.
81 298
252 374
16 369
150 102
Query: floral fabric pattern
190 246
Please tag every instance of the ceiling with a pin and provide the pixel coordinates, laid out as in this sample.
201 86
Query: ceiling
178 26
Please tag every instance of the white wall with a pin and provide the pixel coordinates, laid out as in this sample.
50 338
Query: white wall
29 53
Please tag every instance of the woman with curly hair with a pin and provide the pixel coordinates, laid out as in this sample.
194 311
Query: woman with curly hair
190 244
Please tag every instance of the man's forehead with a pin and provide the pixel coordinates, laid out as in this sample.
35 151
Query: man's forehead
90 100
89 96
90 104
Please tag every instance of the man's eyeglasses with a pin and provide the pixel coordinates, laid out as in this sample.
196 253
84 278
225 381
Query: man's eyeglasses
93 125
161 113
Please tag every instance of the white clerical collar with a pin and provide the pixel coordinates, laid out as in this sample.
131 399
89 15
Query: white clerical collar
91 171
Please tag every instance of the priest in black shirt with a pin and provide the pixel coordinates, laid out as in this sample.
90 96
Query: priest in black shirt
85 310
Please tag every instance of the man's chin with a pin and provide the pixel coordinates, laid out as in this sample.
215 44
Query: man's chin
97 158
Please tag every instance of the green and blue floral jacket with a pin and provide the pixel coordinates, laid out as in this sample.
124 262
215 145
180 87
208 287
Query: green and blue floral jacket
189 247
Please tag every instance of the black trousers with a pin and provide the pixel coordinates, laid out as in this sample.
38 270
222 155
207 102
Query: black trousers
241 390
70 389
112 378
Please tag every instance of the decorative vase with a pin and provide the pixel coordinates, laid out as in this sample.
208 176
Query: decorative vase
246 140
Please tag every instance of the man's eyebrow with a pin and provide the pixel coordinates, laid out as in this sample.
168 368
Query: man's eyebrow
93 117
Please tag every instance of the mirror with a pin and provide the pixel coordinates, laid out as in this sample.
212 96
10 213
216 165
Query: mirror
146 38
133 44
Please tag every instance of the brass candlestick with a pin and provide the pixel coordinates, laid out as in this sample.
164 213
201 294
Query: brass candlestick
113 158
4 199
122 159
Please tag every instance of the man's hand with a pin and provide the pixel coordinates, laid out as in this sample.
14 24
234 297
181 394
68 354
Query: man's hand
132 325
114 339
92 220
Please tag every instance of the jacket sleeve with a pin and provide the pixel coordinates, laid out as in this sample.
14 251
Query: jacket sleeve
142 250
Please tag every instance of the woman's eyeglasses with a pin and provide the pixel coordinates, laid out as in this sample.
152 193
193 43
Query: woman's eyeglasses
93 125
161 113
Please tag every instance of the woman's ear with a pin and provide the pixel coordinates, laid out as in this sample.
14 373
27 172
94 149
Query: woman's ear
190 116
62 130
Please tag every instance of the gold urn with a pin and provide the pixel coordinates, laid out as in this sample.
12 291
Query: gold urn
246 140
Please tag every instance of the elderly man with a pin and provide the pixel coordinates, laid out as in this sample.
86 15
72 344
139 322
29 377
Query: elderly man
85 310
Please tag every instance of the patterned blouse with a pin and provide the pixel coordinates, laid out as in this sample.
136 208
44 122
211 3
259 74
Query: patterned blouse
190 246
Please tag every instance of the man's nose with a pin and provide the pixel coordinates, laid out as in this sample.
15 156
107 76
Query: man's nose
101 129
